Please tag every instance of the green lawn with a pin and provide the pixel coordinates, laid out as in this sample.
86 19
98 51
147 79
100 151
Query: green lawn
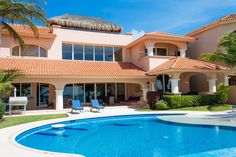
197 108
11 121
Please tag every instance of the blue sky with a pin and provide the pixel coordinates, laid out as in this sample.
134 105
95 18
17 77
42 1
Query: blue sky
172 16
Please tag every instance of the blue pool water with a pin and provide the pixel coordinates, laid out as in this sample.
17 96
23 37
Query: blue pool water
129 136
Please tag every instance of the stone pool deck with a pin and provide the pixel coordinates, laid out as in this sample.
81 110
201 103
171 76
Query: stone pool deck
10 148
227 118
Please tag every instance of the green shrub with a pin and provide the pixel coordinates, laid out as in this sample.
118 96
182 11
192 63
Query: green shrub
190 100
178 101
223 92
210 99
2 109
173 101
161 105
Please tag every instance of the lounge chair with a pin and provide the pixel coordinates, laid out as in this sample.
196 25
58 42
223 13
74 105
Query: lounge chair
76 105
96 105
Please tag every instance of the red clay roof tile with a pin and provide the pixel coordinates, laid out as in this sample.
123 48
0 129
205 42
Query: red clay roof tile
44 67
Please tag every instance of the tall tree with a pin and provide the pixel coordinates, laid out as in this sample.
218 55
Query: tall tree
226 52
25 12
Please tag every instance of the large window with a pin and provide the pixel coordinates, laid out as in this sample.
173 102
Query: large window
100 91
91 53
118 54
88 52
78 52
108 53
30 51
22 89
67 51
163 83
99 53
232 81
159 51
121 91
79 92
87 91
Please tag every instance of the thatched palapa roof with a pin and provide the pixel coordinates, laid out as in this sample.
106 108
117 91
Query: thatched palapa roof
86 23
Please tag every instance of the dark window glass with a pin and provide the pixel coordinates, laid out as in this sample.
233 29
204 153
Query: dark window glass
159 51
25 89
163 83
79 92
78 52
232 81
30 50
99 53
15 51
118 54
121 91
43 92
43 52
100 91
17 86
68 95
110 89
88 51
89 92
67 51
108 54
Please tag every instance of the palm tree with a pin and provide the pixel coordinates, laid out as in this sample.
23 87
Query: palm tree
6 77
226 52
26 12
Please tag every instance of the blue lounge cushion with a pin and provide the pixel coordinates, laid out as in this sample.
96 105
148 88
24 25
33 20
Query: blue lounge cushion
76 105
95 104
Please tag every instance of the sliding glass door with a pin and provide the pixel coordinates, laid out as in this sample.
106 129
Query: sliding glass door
79 92
89 92
42 94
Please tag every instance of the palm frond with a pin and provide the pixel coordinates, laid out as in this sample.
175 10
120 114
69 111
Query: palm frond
13 33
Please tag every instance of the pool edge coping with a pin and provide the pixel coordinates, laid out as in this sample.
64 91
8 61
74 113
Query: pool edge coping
38 153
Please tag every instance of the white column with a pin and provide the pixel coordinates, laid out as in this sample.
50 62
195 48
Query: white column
153 89
212 85
149 46
182 52
145 94
226 81
59 99
174 85
150 50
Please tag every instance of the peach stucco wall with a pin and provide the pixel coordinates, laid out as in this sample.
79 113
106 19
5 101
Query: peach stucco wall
54 46
207 41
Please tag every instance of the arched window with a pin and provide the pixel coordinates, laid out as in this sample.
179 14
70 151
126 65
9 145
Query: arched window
29 50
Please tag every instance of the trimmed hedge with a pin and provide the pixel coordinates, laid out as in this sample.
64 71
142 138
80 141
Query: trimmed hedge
178 101
2 109
161 105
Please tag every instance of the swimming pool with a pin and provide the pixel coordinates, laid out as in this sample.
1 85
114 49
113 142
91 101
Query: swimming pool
129 136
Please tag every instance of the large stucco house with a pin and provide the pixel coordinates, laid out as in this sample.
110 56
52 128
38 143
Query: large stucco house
85 58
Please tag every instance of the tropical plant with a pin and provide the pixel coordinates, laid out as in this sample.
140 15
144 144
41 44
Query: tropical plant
6 77
223 92
226 52
24 12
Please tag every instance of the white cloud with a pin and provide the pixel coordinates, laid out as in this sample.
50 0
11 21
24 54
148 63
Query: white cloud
137 34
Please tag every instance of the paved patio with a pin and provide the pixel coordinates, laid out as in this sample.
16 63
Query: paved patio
9 148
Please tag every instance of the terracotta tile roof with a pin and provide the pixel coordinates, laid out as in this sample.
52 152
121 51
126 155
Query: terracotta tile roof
44 67
185 64
25 30
223 20
162 36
